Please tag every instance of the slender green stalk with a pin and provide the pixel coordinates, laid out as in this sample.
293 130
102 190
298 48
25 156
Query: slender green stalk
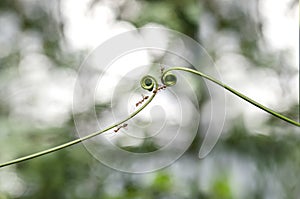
62 146
274 113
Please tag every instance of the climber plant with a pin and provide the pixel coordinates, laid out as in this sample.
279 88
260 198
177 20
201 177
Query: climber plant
150 84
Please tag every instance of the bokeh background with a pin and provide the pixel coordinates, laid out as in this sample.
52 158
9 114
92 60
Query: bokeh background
255 46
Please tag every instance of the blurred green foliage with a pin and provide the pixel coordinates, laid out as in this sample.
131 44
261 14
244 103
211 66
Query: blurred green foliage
268 162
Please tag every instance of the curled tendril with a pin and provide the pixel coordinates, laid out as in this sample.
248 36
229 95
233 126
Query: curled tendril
244 97
169 79
150 83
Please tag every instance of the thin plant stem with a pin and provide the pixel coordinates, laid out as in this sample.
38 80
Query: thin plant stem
65 145
251 101
62 146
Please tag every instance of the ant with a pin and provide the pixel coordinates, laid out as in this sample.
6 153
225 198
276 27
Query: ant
162 69
159 88
140 102
122 126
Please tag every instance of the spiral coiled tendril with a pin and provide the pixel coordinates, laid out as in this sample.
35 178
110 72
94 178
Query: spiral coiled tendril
169 79
149 83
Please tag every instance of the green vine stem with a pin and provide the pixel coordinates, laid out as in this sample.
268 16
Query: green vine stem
150 83
274 113
146 85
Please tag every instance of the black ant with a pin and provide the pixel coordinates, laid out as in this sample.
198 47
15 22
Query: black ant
122 126
159 88
140 102
162 69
